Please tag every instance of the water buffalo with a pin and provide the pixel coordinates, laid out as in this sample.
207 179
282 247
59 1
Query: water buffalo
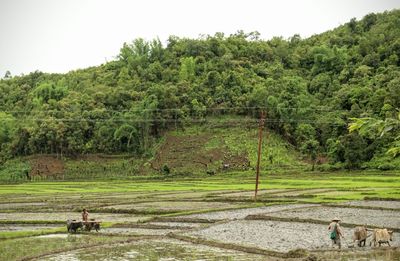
73 225
360 235
92 225
381 236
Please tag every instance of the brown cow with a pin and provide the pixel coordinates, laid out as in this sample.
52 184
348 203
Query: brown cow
360 235
381 236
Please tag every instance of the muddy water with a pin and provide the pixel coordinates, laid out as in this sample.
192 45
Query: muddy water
137 231
154 250
181 225
375 203
57 236
10 228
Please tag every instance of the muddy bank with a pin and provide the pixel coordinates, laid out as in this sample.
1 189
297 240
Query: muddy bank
371 217
242 213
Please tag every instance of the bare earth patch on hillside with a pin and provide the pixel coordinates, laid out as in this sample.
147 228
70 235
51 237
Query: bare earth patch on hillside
46 166
189 152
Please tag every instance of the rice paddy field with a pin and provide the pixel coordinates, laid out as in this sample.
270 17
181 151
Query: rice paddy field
205 218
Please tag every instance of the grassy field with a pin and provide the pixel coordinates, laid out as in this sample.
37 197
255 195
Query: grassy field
373 181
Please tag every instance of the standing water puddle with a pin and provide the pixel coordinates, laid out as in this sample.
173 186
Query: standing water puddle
57 236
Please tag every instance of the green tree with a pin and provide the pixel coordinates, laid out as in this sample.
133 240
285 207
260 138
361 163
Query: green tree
187 70
374 128
306 140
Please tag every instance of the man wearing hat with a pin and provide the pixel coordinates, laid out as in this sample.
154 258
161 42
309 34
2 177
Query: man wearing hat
335 232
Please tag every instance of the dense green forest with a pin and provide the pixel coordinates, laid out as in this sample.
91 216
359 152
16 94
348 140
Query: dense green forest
310 89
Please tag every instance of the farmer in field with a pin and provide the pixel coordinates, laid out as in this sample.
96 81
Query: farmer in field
335 232
85 215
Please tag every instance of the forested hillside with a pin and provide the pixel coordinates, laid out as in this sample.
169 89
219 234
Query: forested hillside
309 88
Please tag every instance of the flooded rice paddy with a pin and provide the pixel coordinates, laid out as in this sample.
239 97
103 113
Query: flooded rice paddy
202 225
64 216
175 205
374 203
155 250
372 217
25 227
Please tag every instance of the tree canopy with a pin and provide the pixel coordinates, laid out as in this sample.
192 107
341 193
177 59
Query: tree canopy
311 89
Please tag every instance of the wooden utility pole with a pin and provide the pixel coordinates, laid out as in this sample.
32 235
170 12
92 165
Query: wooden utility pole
261 126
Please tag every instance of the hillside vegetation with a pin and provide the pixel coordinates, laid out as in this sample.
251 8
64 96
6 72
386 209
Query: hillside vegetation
202 150
310 89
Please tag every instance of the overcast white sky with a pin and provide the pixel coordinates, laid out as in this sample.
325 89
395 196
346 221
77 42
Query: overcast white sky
63 35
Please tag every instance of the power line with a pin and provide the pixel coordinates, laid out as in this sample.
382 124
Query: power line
184 120
180 109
